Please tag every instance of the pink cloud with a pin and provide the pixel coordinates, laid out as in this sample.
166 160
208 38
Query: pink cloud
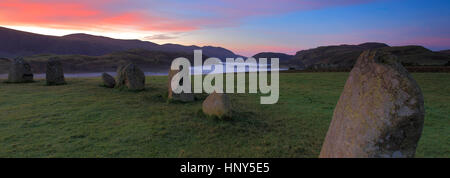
148 15
84 15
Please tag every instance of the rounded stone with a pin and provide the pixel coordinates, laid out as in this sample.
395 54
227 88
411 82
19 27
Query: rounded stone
108 80
217 104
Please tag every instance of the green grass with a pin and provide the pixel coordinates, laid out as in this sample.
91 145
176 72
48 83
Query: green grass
82 119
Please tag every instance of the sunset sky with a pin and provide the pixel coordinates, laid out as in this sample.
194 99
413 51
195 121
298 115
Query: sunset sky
244 26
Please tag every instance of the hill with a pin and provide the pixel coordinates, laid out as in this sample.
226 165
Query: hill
155 61
445 51
283 58
344 56
18 43
418 56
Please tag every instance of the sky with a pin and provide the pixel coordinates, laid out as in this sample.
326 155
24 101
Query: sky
246 27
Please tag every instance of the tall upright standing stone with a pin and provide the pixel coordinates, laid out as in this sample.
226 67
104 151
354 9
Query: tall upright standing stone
54 73
20 71
130 76
120 76
380 112
184 97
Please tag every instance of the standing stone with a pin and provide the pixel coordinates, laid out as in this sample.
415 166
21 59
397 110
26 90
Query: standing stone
184 97
54 73
380 112
217 104
20 72
120 76
130 76
108 80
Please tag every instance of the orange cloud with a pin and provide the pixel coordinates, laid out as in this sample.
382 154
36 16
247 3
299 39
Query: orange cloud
17 12
83 15
144 15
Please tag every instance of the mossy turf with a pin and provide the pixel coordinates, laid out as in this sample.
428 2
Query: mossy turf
82 119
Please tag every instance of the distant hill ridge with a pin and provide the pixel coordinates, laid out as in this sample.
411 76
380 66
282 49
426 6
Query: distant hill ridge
345 56
445 51
282 57
154 61
18 43
84 52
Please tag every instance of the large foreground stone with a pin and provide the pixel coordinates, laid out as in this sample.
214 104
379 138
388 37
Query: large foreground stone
217 104
184 97
20 71
108 80
54 73
380 112
130 76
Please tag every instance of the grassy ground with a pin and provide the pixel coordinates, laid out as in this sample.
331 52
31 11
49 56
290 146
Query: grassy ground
82 119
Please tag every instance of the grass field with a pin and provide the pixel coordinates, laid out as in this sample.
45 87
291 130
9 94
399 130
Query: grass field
82 119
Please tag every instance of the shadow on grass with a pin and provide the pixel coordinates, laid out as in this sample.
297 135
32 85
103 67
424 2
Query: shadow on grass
155 97
8 82
125 89
243 119
55 84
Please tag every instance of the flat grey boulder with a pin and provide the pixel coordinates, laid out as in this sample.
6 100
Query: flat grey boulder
131 77
184 97
218 105
108 80
380 112
54 73
20 72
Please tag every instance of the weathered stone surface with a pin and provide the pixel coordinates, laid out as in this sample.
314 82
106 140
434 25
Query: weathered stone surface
217 104
54 73
120 76
184 97
108 80
20 71
130 76
380 112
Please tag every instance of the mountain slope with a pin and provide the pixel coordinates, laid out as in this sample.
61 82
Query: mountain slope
283 58
154 61
15 43
345 56
445 51
418 56
342 56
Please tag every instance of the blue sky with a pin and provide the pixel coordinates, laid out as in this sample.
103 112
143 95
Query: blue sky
246 27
